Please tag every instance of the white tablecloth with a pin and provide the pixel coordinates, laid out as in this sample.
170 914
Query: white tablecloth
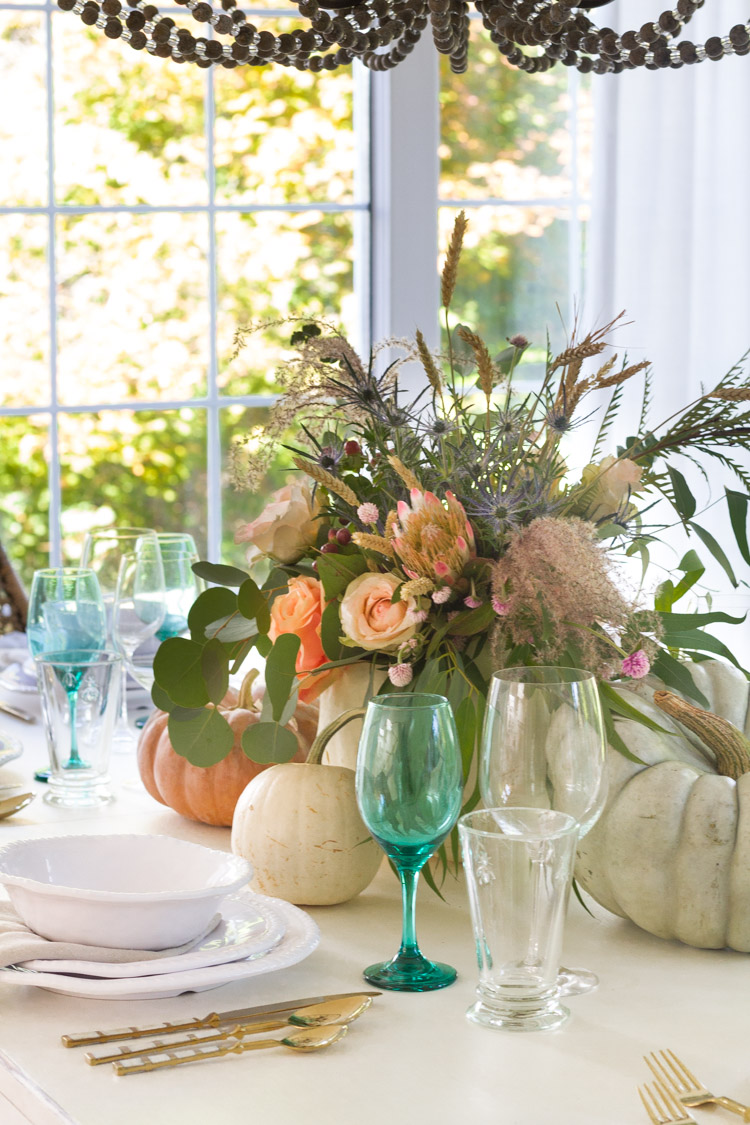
413 1058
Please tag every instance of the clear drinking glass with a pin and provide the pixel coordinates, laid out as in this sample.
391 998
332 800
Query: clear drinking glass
79 690
409 787
181 585
103 551
543 746
140 608
66 614
518 864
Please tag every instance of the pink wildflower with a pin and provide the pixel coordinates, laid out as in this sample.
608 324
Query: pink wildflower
418 615
637 665
400 674
368 513
500 607
440 596
518 341
471 602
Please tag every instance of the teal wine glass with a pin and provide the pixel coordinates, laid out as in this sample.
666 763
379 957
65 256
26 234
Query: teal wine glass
409 786
67 615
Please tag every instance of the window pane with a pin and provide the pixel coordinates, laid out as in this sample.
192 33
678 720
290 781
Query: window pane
513 274
504 134
24 313
282 135
128 128
132 307
23 122
273 266
24 509
135 468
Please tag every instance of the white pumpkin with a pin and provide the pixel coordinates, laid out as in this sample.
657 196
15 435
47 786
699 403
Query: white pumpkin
671 851
299 826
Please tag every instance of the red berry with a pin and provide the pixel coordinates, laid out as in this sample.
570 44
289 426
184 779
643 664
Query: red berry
331 534
329 549
343 536
314 564
351 448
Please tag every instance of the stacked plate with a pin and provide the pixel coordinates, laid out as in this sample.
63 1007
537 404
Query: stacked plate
255 935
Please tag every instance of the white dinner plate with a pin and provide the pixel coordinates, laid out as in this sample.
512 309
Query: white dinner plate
300 939
19 677
250 925
10 749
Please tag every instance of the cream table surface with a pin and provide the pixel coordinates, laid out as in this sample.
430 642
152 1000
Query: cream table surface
413 1058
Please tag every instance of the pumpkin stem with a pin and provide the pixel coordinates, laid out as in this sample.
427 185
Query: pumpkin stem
323 738
245 699
729 745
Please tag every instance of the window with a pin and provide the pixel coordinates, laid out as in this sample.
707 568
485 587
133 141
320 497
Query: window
147 209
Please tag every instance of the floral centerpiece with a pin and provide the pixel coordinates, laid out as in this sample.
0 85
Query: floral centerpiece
431 537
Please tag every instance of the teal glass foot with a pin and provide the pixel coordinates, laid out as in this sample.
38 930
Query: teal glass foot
410 973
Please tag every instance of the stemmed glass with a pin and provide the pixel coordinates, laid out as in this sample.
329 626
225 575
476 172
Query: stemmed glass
181 585
103 551
140 608
67 615
409 787
543 746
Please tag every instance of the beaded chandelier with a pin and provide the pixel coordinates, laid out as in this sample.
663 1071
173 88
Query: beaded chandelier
381 33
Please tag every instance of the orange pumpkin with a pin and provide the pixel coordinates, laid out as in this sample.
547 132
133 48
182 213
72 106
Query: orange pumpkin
209 794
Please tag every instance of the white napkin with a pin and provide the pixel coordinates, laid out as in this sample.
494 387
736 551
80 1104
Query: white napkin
18 943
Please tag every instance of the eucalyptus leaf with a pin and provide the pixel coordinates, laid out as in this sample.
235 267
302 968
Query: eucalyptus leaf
218 603
269 742
178 670
202 735
160 699
220 574
253 605
330 631
215 670
281 674
232 628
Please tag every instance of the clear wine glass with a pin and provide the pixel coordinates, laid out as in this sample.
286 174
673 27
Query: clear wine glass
181 585
409 787
66 615
543 746
140 608
103 551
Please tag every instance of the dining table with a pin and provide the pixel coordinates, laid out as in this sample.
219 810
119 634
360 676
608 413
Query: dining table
412 1057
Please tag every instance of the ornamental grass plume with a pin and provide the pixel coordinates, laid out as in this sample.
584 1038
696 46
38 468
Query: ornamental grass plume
556 593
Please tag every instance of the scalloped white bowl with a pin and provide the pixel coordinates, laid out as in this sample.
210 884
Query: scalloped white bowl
119 891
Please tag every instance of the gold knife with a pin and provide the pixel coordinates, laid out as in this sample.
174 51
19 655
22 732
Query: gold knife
16 712
213 1019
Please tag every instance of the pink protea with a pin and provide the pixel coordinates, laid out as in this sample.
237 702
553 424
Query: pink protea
400 674
637 665
431 537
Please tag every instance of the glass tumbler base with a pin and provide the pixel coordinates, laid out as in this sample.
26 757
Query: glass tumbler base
410 974
88 793
506 1017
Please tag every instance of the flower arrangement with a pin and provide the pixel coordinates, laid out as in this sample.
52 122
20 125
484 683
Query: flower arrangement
436 536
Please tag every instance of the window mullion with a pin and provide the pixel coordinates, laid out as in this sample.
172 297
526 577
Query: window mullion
53 473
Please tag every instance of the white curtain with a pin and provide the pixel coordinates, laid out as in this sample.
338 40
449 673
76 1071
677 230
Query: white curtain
669 238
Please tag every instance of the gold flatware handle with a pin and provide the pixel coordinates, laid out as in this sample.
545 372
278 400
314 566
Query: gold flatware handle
193 1039
16 712
197 1023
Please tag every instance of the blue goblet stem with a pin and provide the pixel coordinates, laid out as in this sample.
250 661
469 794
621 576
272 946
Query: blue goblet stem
409 877
74 761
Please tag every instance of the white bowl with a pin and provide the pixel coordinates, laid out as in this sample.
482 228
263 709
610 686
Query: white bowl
119 891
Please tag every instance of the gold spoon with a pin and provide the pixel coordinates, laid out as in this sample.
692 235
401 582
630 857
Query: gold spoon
341 1011
306 1039
10 805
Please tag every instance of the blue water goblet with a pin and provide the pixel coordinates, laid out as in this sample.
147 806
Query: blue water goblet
409 786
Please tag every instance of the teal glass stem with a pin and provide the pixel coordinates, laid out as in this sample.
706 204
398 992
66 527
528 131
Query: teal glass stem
409 788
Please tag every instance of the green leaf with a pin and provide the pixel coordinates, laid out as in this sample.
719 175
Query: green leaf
337 571
678 622
253 605
281 673
466 725
703 642
737 503
208 607
160 699
202 735
269 742
264 644
613 737
684 499
220 574
178 670
330 631
215 670
233 628
715 550
626 710
472 621
677 677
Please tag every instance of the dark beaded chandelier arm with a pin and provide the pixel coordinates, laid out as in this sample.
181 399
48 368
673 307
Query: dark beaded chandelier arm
381 33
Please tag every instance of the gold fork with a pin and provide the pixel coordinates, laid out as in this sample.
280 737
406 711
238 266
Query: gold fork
662 1108
675 1076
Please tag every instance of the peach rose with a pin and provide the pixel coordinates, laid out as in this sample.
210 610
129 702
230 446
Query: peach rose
370 619
299 611
285 528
